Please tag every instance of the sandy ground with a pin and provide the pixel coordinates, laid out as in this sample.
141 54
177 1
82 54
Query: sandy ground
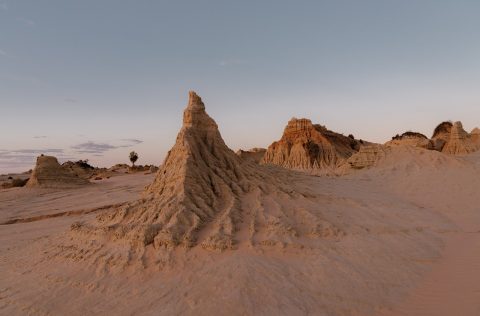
452 287
26 203
410 247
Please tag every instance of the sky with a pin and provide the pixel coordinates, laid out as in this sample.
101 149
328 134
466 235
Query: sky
96 79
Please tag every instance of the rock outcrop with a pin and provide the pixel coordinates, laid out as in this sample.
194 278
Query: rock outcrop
205 195
411 139
81 168
475 134
307 146
48 173
459 142
441 135
253 155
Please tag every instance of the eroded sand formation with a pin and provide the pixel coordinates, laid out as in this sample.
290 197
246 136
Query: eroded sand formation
204 194
368 156
307 146
283 242
411 139
441 135
448 138
459 142
48 173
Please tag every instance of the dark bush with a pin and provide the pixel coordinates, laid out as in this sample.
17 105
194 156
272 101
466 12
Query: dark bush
19 182
15 183
84 164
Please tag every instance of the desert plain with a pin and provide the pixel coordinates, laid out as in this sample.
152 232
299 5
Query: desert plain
318 223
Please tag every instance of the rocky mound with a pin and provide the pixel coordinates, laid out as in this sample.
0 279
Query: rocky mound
411 139
48 173
459 142
204 194
253 155
81 168
441 135
368 156
475 134
307 146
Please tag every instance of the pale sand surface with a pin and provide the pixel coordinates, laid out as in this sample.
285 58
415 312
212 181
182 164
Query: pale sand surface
410 246
29 202
452 287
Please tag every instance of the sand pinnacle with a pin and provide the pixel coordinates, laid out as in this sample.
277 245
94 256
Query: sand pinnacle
195 115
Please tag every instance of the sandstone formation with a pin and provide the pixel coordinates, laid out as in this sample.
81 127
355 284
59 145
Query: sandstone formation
449 138
368 156
204 194
441 135
475 134
253 155
459 142
307 146
81 168
48 173
411 139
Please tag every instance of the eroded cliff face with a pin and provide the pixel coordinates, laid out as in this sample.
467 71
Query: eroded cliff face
458 141
441 135
307 146
449 138
475 133
48 173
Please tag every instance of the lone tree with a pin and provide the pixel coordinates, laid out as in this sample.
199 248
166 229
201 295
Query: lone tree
133 158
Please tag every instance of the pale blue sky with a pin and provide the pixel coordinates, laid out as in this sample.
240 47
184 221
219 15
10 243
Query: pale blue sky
98 78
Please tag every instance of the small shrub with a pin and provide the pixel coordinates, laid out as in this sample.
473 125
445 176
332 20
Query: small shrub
133 158
84 164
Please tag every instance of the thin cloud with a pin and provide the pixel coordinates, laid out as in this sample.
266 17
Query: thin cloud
130 142
3 6
69 100
93 148
39 151
40 136
2 52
